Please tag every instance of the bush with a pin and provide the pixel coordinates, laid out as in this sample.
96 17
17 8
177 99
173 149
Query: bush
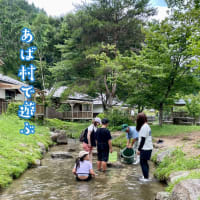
13 108
116 117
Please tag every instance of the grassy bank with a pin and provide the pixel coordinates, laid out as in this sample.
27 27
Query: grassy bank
18 151
73 129
157 131
174 163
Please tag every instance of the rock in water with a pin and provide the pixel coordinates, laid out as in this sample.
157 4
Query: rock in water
59 137
54 137
163 196
62 138
36 163
187 190
71 149
61 154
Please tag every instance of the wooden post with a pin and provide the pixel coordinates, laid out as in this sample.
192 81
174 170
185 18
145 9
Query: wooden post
72 109
92 110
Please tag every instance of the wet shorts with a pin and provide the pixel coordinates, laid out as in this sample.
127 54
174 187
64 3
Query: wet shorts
87 179
103 155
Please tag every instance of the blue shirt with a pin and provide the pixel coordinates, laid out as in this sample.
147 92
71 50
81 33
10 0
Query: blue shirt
132 133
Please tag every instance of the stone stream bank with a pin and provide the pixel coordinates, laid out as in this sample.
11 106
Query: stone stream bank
186 189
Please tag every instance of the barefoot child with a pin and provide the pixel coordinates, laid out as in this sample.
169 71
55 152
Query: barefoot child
83 167
104 145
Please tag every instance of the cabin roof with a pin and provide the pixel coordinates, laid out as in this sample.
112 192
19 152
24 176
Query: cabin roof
7 79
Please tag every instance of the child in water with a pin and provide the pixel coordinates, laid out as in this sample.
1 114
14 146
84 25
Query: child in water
104 145
83 167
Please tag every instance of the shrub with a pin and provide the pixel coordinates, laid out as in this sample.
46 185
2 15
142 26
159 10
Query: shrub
116 117
13 108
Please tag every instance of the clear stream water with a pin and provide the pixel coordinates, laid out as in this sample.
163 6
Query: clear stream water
55 181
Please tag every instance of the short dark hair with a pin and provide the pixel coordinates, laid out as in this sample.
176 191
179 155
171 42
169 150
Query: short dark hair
141 119
104 121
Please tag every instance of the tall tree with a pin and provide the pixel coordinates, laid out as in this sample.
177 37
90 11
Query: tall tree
167 55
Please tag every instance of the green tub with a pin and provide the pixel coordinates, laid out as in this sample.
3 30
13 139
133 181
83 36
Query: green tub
128 155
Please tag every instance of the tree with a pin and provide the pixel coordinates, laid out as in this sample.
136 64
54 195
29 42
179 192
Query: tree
111 22
165 63
193 105
115 22
15 14
107 73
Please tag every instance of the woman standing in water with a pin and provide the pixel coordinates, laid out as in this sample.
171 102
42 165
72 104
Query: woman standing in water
145 144
89 140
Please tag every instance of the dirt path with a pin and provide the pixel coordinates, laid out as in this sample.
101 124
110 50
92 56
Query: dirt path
186 141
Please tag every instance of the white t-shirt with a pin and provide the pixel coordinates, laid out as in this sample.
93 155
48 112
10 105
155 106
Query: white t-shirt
145 132
84 168
92 127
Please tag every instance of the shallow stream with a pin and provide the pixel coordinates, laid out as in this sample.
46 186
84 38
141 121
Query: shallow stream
55 181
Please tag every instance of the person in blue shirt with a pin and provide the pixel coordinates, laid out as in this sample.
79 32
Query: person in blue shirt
131 134
132 139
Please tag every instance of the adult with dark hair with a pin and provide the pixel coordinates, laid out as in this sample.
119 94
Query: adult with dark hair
89 139
145 144
83 167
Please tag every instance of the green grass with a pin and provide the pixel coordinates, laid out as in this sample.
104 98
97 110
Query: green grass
73 129
176 162
18 151
172 130
157 131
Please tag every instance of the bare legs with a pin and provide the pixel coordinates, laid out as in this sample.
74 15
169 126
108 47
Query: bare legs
101 165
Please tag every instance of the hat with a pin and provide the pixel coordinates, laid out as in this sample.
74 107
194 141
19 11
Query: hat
124 127
105 121
97 119
82 153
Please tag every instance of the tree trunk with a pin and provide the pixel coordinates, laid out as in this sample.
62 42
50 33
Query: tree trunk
161 114
42 73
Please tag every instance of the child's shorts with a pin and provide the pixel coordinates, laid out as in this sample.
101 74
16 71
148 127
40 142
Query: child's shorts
103 156
88 179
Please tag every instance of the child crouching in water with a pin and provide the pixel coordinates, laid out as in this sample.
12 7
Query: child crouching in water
83 167
104 145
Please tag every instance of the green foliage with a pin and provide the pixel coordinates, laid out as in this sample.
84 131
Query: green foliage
18 151
73 129
13 108
120 141
193 105
117 117
64 108
176 162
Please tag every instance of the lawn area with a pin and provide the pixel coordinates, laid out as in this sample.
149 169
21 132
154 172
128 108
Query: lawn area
157 131
18 151
172 130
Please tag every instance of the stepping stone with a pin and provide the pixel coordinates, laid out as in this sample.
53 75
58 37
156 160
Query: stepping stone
61 155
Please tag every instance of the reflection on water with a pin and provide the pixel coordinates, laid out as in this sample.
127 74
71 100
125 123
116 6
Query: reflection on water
54 181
